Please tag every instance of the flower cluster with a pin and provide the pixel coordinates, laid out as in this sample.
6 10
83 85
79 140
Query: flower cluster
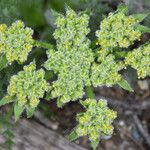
139 59
16 41
73 58
28 86
96 121
118 30
106 72
3 28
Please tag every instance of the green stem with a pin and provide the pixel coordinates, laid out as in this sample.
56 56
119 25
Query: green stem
121 54
43 44
49 75
3 61
89 91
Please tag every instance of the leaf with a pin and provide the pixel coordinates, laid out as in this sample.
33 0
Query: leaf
48 95
3 62
143 29
90 93
55 14
30 111
140 17
6 100
72 136
59 103
94 144
123 8
18 111
125 85
49 75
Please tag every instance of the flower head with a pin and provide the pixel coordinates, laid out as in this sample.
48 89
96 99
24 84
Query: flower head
96 121
139 59
118 30
106 72
16 41
28 86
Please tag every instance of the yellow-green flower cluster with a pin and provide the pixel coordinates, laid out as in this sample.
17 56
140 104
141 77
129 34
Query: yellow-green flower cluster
118 30
106 72
16 41
139 59
3 28
96 121
73 57
28 86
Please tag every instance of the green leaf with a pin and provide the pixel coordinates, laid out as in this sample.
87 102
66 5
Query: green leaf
94 144
18 110
30 111
125 85
49 75
48 95
143 29
3 62
89 91
55 14
72 136
140 17
6 100
123 8
43 45
59 103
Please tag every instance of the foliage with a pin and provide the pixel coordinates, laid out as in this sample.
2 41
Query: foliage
73 65
29 11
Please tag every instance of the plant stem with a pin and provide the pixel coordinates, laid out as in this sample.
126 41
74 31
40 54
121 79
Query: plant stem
89 91
49 75
43 44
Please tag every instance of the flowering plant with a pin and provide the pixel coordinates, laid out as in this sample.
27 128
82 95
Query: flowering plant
76 65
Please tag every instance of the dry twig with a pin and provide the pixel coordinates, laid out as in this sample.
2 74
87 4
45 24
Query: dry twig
144 133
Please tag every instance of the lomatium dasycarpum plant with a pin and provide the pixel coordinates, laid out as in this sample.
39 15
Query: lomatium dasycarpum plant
77 66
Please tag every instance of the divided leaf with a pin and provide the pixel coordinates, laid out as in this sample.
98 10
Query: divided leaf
72 136
18 110
94 144
140 17
6 100
123 8
125 85
3 62
143 29
30 111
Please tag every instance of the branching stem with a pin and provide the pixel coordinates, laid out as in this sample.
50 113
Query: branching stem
90 92
43 44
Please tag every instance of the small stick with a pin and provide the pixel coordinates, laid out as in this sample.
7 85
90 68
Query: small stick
144 133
